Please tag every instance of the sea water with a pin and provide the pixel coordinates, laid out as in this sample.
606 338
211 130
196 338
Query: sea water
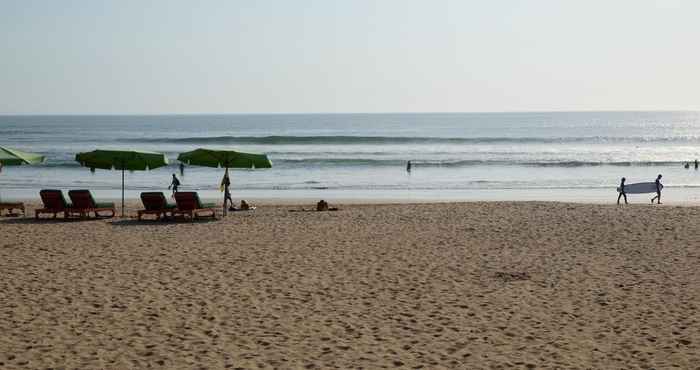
577 156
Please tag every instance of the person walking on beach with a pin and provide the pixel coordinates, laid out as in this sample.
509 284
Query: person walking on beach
225 184
658 190
408 167
622 191
696 164
174 184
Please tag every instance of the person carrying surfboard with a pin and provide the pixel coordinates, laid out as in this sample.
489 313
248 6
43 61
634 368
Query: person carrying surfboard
622 191
658 190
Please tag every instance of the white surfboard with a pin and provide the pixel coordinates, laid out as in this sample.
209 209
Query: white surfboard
640 188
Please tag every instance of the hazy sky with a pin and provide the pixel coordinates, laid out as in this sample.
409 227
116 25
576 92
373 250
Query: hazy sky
347 56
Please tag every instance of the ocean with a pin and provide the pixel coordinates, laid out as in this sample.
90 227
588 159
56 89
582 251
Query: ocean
569 156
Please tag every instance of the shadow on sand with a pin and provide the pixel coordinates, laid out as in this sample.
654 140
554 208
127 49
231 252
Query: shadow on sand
35 221
125 222
115 221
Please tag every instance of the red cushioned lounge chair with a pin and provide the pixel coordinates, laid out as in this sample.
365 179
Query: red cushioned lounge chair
84 203
155 203
11 206
54 203
188 203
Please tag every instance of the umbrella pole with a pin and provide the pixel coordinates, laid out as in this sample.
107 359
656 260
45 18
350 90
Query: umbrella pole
122 191
225 196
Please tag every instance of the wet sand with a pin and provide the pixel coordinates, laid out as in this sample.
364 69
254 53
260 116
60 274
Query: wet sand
450 285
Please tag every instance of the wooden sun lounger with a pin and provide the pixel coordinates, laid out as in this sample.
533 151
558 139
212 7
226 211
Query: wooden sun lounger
188 203
84 203
54 203
155 203
11 206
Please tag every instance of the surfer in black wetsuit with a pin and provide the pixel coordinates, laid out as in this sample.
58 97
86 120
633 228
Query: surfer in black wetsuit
622 191
658 190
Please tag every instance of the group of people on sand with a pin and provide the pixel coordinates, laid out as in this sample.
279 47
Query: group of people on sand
226 183
657 197
657 182
225 187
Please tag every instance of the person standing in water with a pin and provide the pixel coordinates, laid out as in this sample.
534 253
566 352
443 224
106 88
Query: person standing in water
174 184
696 164
408 167
622 191
658 190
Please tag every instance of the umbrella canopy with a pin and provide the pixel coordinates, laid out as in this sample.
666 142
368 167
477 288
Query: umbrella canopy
13 157
121 160
224 158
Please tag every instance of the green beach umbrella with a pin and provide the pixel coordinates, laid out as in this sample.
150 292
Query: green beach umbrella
123 160
224 159
14 157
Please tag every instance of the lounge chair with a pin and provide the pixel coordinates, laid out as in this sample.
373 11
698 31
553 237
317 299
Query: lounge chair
155 203
54 203
188 203
11 206
84 203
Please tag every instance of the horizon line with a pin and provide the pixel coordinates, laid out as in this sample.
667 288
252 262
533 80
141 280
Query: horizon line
346 113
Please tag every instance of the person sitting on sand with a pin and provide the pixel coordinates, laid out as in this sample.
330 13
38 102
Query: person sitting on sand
244 205
658 190
687 165
622 191
322 205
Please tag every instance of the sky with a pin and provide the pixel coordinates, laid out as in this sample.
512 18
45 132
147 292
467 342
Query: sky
305 56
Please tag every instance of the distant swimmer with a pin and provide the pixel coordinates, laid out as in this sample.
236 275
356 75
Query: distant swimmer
622 191
658 190
408 166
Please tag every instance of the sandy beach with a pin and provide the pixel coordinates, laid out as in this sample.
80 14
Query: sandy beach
454 285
